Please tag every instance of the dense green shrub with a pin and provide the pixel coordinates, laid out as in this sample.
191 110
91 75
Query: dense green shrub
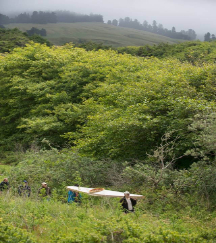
11 234
60 169
195 52
12 38
106 104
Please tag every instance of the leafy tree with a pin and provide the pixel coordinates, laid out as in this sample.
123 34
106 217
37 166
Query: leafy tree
204 125
115 22
36 31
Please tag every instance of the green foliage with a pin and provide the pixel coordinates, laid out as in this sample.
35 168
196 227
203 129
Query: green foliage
9 39
204 126
39 39
90 46
11 234
108 105
135 105
190 51
194 186
12 38
52 221
111 107
60 169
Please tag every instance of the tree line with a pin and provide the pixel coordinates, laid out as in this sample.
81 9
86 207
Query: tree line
209 37
156 28
40 17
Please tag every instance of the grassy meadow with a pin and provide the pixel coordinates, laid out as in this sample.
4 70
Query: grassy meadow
99 220
62 33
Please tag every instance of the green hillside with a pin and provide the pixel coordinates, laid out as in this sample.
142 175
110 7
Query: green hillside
62 33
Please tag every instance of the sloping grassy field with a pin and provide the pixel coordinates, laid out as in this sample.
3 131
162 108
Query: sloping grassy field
62 33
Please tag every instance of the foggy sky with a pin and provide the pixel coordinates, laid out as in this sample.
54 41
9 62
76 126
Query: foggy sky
182 14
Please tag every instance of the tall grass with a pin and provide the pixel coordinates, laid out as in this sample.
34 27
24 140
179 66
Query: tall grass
101 220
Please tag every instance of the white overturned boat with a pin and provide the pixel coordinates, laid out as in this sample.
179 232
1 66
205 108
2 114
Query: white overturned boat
101 192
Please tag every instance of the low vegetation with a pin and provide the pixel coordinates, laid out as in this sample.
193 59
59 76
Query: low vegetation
176 210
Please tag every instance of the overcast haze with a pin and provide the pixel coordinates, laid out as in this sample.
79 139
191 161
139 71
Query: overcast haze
182 14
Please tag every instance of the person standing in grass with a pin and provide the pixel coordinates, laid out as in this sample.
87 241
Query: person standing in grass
4 184
44 190
74 196
128 203
24 190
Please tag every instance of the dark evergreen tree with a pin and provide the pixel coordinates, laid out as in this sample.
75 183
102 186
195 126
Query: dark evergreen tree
43 32
4 19
121 22
173 30
160 29
35 31
145 25
192 34
154 26
34 17
22 18
207 37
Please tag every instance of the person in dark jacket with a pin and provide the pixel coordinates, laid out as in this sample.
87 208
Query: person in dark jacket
4 184
44 190
128 203
24 190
